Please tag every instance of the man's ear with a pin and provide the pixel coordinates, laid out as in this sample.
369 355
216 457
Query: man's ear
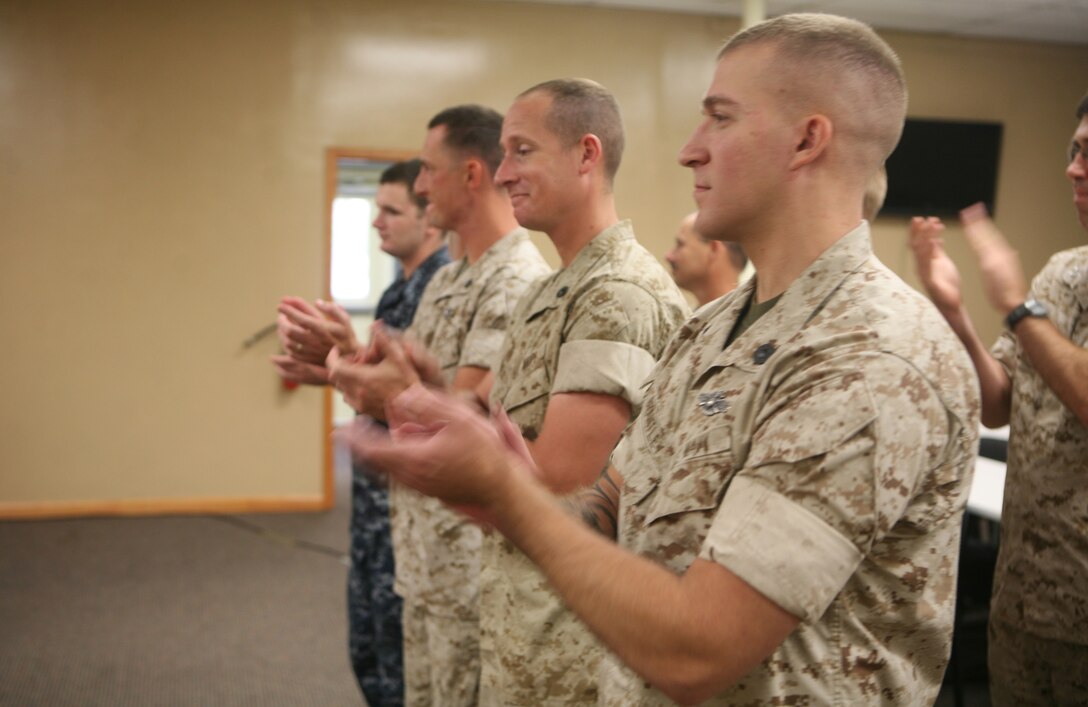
592 152
717 250
475 173
813 140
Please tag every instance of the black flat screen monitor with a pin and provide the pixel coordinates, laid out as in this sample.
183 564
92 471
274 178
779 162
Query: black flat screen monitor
941 166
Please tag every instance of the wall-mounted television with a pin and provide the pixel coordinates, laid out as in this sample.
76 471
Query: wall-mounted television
941 166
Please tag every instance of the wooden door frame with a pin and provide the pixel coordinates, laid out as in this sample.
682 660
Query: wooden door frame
332 157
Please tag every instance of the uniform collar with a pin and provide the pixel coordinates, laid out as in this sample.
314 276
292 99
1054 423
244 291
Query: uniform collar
801 301
504 245
561 285
497 250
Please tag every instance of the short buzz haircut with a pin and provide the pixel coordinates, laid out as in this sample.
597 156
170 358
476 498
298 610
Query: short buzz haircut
472 131
841 66
405 173
1082 107
582 107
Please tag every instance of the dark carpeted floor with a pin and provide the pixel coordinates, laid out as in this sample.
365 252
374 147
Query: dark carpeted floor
242 610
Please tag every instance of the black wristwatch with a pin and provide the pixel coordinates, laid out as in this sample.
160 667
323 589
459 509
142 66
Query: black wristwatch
1031 308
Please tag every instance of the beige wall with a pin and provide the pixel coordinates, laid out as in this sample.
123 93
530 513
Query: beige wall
161 185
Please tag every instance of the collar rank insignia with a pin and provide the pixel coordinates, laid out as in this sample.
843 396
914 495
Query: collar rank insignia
713 403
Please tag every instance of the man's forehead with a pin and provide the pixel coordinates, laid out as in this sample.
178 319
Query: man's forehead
1081 133
434 139
392 192
738 68
522 115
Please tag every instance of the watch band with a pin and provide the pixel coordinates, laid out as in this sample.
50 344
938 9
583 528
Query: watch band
1030 308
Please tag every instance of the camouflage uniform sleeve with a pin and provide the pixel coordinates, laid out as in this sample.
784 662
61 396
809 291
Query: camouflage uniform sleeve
836 458
1004 350
609 343
483 342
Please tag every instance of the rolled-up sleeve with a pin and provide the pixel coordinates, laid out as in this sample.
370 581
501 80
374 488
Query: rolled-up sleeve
607 367
783 551
610 343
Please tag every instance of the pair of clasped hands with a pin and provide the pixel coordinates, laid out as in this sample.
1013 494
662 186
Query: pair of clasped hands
436 443
321 348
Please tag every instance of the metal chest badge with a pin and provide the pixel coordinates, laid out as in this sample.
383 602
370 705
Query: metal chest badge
712 403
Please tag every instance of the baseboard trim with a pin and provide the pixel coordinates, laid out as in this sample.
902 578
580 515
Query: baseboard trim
44 510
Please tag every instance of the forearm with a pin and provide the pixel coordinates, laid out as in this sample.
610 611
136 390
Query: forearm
994 384
1062 364
681 640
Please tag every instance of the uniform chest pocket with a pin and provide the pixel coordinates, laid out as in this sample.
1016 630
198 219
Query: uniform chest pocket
529 391
448 336
696 481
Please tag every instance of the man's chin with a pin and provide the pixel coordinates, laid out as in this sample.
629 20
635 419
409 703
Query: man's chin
435 220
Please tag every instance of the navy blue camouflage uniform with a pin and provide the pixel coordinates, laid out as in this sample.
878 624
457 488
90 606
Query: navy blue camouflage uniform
374 611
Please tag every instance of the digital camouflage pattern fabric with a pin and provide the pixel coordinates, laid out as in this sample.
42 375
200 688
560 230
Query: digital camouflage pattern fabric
824 457
1041 582
374 610
462 320
1030 671
596 326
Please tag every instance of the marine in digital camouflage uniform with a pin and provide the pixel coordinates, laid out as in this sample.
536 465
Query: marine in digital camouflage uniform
1041 582
374 610
595 326
1038 588
579 345
823 457
462 320
1036 380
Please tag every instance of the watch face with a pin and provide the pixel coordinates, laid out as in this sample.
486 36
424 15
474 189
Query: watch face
1031 308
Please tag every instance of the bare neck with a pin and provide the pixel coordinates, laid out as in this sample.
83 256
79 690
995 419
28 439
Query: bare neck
485 225
781 260
581 226
792 236
426 249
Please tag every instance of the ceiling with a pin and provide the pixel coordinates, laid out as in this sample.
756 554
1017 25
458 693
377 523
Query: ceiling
1063 21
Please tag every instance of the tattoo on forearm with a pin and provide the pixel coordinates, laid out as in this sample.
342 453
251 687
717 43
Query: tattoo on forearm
598 505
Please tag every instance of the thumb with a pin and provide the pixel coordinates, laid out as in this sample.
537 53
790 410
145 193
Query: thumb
511 434
334 312
421 406
395 353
